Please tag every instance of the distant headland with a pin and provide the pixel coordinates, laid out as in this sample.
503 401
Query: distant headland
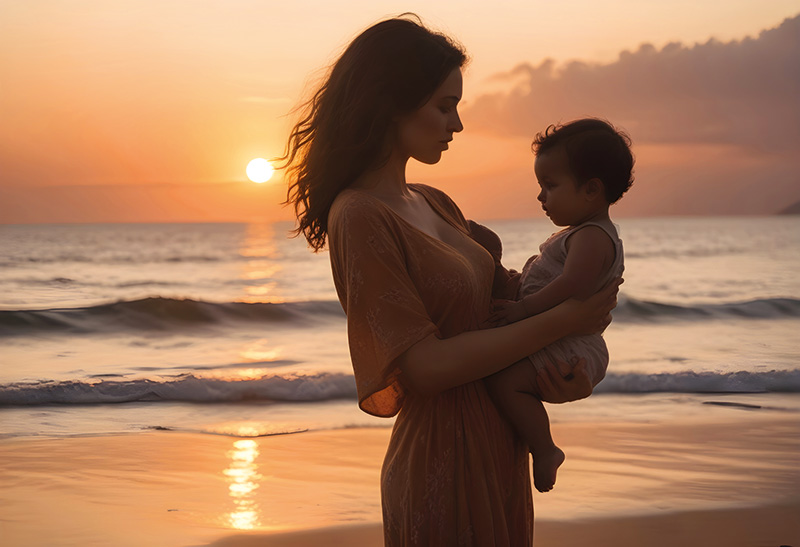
793 209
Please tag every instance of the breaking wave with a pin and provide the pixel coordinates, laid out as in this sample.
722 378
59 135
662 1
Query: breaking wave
304 388
161 313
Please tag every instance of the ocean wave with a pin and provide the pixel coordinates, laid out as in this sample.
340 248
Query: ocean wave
119 259
303 388
774 381
69 282
159 313
695 252
165 314
184 388
634 310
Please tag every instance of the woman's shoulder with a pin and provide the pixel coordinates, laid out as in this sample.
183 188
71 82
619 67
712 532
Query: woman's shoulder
349 198
434 194
357 212
443 203
354 204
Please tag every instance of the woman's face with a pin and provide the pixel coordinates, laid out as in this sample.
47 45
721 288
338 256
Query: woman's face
424 134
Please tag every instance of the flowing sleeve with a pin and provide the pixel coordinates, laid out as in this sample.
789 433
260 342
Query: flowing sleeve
506 282
385 315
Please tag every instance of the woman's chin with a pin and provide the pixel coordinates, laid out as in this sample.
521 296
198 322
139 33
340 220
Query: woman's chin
429 159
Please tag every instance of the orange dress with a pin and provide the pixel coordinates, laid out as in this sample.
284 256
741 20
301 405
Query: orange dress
454 472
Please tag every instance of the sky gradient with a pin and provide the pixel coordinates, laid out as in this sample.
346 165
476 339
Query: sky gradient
132 111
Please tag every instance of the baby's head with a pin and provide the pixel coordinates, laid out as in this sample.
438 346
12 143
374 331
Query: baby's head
594 151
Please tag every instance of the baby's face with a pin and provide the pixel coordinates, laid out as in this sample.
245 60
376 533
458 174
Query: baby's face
563 201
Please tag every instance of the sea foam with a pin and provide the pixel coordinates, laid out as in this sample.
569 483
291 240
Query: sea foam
303 388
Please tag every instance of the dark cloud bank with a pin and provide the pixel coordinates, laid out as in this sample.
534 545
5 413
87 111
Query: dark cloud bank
715 126
742 92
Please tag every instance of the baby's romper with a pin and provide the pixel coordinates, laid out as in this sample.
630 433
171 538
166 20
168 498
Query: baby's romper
542 269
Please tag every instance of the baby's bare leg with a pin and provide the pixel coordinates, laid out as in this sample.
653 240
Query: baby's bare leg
515 392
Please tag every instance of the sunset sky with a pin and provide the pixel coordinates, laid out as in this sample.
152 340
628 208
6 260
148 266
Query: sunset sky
149 111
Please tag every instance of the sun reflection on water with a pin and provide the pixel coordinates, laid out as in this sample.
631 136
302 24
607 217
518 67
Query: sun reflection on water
243 477
262 264
261 350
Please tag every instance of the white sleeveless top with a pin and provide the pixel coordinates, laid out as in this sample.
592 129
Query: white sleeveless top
542 269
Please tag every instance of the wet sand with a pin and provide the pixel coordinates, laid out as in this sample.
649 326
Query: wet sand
659 484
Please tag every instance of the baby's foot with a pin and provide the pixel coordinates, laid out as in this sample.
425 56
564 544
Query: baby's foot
545 467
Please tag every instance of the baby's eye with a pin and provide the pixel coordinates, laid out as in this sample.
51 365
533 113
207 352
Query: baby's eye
445 109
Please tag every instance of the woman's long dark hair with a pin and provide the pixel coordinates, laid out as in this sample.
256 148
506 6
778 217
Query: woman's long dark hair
390 69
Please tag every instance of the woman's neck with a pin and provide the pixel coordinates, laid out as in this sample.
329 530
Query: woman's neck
388 180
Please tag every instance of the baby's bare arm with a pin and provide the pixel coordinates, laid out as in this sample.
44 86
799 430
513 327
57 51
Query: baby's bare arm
590 253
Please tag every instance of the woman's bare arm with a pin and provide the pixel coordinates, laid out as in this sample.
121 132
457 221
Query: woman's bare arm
434 365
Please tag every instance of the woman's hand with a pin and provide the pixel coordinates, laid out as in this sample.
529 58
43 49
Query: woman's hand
594 314
507 312
561 383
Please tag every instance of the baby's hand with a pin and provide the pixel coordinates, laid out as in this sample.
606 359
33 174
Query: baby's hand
508 312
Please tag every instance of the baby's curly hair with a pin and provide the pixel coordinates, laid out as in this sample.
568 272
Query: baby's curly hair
595 149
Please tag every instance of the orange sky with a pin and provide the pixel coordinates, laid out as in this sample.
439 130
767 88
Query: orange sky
149 111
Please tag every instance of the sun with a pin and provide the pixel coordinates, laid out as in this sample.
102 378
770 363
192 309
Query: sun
259 170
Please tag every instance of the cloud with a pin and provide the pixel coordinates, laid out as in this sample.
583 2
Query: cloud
743 92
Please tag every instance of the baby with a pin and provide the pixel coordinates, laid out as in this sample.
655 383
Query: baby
582 168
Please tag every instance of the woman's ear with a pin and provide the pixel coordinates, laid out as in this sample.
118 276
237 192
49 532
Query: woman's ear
594 188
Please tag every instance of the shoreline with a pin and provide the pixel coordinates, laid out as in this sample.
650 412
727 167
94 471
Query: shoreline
671 483
772 526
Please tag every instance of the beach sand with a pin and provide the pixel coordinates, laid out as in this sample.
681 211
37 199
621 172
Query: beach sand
687 483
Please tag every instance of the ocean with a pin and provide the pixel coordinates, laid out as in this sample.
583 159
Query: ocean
235 329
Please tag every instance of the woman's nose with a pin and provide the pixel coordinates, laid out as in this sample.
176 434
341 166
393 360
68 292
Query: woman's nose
540 197
455 124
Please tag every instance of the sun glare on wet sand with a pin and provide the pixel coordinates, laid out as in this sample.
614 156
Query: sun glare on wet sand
259 170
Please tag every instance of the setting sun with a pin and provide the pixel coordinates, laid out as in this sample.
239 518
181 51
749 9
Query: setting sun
259 170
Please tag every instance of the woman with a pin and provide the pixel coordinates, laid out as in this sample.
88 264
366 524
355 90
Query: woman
416 288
